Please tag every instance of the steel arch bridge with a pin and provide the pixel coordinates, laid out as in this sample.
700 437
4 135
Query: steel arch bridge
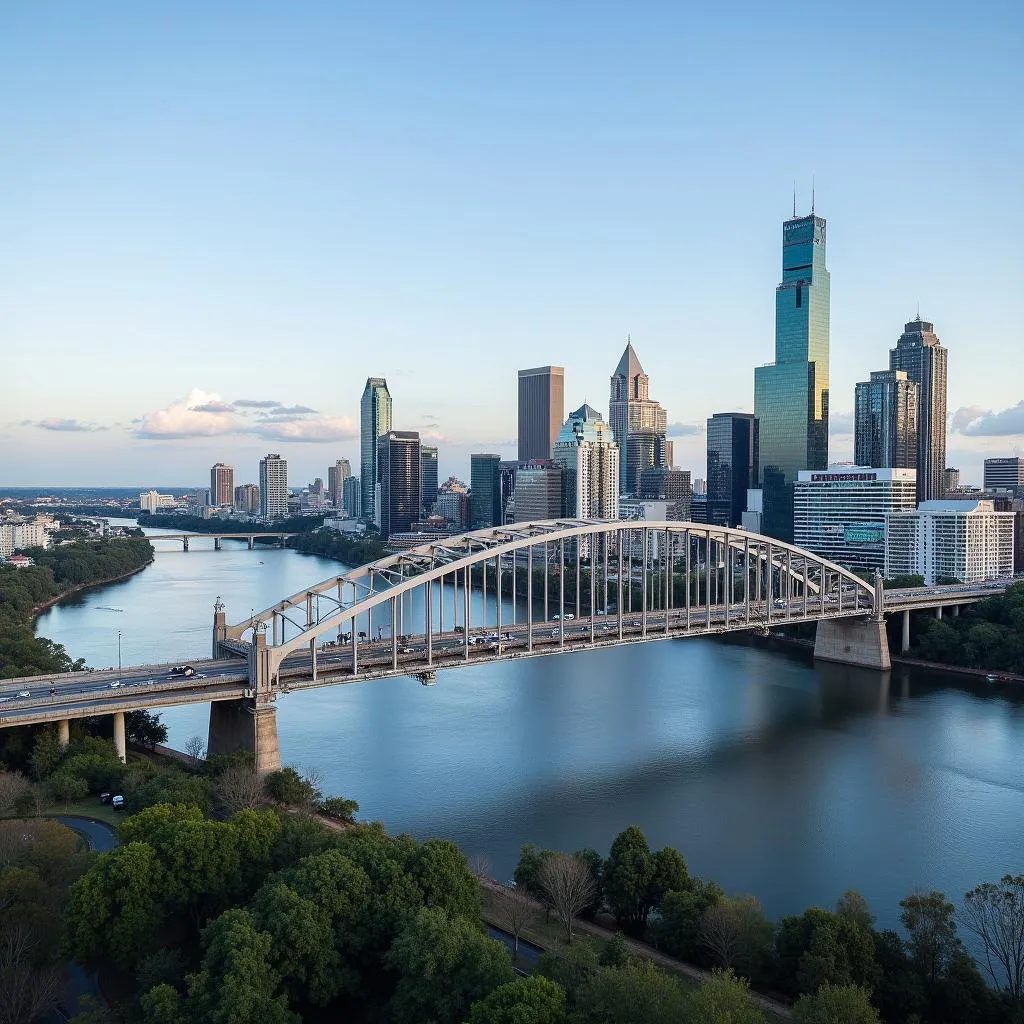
569 584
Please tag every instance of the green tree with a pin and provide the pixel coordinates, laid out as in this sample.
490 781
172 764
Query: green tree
737 933
627 878
161 1004
931 920
288 788
669 874
444 965
145 729
533 1000
340 808
440 870
572 968
47 754
723 999
634 994
65 786
615 952
853 907
677 928
836 1004
593 860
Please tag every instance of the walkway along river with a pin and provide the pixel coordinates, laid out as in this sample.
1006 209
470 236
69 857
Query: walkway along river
775 776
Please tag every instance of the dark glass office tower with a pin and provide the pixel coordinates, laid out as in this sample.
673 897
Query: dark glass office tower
374 420
791 395
428 468
920 353
484 491
732 465
541 411
885 421
399 491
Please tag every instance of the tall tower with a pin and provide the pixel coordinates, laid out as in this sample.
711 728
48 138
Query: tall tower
273 487
428 470
222 484
374 421
791 395
589 459
541 408
485 491
885 421
732 465
336 477
919 352
399 490
631 410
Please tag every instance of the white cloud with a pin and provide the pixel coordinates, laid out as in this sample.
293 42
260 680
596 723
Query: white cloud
317 430
974 421
840 424
191 416
684 429
69 426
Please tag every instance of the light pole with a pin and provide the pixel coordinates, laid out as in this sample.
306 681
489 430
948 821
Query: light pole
119 654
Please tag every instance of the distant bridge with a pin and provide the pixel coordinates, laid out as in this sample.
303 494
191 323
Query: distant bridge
251 537
571 585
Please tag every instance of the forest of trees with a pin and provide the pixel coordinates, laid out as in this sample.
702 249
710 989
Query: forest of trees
57 571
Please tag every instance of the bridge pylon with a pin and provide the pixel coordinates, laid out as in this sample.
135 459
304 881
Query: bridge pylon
220 627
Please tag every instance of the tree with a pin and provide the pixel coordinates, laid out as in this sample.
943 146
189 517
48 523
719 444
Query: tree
194 748
572 968
236 788
288 788
836 1004
593 860
737 933
440 870
514 908
569 885
533 1000
723 999
144 728
634 994
669 874
854 907
444 965
47 753
65 786
627 876
930 919
995 913
677 928
12 785
342 809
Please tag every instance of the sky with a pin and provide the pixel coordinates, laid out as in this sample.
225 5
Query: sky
216 220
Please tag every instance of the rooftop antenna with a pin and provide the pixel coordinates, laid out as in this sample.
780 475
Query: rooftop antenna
812 195
794 199
919 309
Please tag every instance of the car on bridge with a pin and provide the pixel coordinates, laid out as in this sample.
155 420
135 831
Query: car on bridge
183 670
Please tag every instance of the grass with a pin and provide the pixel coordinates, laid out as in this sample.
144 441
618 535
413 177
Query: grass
90 807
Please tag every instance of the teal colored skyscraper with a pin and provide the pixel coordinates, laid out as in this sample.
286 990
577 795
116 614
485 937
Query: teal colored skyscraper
791 394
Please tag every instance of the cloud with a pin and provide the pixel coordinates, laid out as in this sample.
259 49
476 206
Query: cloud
319 430
840 423
214 407
68 426
293 410
187 418
255 403
684 429
974 421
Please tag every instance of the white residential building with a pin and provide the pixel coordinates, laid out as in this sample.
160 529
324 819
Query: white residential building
153 501
31 533
964 540
273 487
589 459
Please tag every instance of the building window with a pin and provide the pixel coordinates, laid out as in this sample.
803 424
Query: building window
799 296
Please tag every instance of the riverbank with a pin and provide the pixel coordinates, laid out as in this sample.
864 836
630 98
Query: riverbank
82 587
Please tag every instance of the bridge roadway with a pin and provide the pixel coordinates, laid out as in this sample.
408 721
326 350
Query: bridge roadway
29 701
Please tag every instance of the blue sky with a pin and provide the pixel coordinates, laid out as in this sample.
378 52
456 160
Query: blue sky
202 204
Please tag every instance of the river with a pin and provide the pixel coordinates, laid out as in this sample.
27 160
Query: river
771 774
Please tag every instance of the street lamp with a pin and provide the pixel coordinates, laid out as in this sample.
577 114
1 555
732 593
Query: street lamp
119 653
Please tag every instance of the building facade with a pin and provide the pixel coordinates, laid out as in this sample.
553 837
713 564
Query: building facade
671 485
541 411
732 465
352 497
885 421
538 492
222 484
273 487
945 540
645 450
919 353
428 467
840 513
1004 474
153 501
247 499
453 503
374 422
791 395
398 500
484 491
507 482
589 459
336 477
631 410
26 533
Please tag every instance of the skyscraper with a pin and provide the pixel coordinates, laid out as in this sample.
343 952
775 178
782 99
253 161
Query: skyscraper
352 497
222 484
336 477
885 421
247 498
374 420
273 487
428 469
645 449
791 395
485 491
589 458
1004 474
919 352
632 410
399 490
541 410
732 465
538 492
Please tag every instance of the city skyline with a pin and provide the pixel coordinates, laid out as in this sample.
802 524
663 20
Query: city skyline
365 238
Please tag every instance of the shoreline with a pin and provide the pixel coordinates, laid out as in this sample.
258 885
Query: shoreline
79 587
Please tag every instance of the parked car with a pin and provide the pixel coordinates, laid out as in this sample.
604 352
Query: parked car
117 802
104 798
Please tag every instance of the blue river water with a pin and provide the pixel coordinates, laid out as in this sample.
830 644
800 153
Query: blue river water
772 775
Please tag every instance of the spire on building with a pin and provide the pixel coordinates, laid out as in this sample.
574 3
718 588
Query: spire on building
629 365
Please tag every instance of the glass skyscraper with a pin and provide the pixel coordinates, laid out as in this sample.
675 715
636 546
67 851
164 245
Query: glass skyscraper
428 467
399 482
374 421
484 491
885 421
732 465
631 410
791 395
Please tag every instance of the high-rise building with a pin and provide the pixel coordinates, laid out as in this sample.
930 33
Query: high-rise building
247 499
507 482
336 477
840 513
1004 474
631 410
374 421
352 497
950 480
273 487
885 421
671 485
670 454
201 497
924 359
791 395
538 492
541 410
485 491
428 469
222 484
589 458
399 493
645 450
453 503
732 465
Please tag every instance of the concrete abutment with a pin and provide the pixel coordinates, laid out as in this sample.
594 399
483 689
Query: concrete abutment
244 725
861 642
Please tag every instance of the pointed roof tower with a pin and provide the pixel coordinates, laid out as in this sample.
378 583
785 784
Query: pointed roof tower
629 365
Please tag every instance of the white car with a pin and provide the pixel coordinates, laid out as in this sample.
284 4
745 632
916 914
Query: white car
114 685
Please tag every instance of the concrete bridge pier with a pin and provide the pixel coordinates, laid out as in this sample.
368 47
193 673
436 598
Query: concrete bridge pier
245 725
251 543
861 642
216 543
905 638
64 732
184 543
938 612
120 743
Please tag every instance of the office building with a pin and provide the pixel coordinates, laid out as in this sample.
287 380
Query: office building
1004 474
700 486
398 498
484 491
453 503
732 447
753 515
222 484
538 492
374 422
247 499
589 458
950 480
670 454
153 501
352 497
947 540
644 450
631 410
273 487
201 497
541 411
428 468
507 483
336 477
670 485
885 421
791 395
840 513
919 353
